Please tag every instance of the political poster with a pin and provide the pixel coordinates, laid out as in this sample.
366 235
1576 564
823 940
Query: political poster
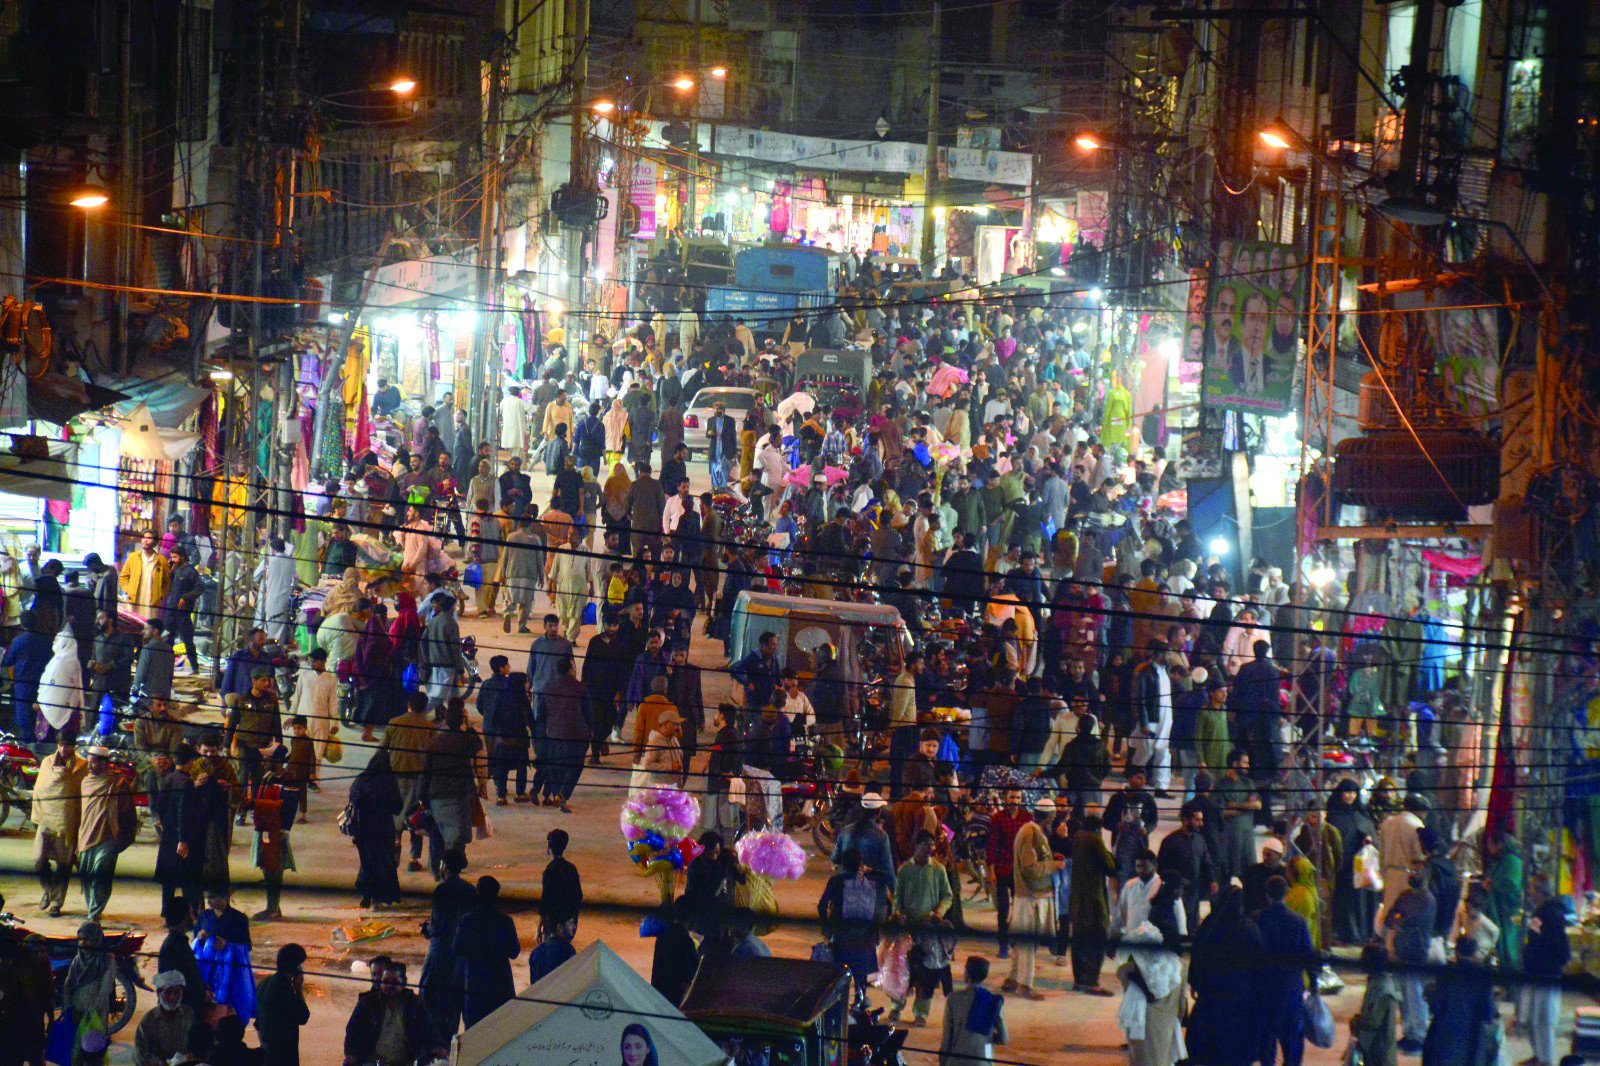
1255 312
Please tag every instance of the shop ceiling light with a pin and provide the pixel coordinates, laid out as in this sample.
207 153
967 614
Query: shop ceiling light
1323 575
1097 295
1218 546
719 72
220 373
1058 272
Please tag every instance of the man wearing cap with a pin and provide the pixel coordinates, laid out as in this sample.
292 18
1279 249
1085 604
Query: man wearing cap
57 806
253 724
867 836
105 827
1034 866
164 1031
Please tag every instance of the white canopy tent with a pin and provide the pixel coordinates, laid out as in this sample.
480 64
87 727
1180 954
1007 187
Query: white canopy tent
576 1016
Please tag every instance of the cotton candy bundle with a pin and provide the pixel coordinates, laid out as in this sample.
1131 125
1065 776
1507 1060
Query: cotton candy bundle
772 855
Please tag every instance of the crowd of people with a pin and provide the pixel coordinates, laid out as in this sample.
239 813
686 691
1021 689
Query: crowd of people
1077 667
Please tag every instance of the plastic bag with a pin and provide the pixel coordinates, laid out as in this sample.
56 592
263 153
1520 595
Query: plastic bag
333 750
472 575
590 614
894 968
1366 870
1319 1021
409 678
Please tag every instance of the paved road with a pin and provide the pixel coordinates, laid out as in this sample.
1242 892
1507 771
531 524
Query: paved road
319 899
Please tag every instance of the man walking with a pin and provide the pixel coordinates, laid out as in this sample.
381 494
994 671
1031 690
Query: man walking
105 827
57 805
566 737
406 739
281 1008
1153 737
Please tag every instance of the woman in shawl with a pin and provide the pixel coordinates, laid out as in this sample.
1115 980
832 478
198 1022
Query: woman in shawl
1353 908
405 632
1302 898
1374 1026
343 596
1508 886
615 423
614 502
374 803
60 696
377 691
1152 983
1223 1023
673 608
88 992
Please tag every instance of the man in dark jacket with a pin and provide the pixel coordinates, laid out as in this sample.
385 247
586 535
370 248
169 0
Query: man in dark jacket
1286 941
391 1000
1544 959
516 490
566 736
110 662
561 889
1185 852
1254 702
685 690
1030 725
1410 922
963 573
1444 884
759 672
104 584
183 592
486 942
647 502
281 1009
606 665
80 614
503 705
152 675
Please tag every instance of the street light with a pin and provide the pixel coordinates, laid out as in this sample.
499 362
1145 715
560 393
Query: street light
1089 142
403 86
718 72
89 197
683 84
603 107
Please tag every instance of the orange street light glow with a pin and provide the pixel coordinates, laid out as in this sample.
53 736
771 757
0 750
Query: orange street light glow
1088 142
683 84
719 72
1273 139
89 198
604 107
402 86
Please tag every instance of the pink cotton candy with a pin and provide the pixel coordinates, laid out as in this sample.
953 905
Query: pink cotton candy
772 855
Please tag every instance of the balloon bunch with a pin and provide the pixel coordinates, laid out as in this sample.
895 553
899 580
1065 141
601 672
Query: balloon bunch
656 824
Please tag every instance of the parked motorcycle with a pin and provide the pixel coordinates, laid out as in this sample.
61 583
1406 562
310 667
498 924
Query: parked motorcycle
19 766
124 947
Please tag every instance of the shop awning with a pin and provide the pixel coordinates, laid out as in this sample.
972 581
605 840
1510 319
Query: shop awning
58 399
42 479
171 399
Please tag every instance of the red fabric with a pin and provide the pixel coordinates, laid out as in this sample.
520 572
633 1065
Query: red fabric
363 437
1501 816
1457 566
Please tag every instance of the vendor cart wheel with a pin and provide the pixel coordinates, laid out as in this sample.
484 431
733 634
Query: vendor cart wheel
124 1002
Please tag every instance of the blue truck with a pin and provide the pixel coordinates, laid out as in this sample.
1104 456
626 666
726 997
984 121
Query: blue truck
773 283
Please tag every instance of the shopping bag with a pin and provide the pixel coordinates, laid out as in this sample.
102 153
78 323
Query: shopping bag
333 750
408 677
894 966
1319 1021
472 576
590 614
1366 869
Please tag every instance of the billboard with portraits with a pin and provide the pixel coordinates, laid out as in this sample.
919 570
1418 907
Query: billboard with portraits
1255 321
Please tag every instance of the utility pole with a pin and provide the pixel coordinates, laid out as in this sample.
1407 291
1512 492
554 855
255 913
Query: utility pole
930 167
691 202
480 412
577 19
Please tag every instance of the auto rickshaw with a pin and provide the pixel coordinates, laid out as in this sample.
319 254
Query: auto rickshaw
772 1011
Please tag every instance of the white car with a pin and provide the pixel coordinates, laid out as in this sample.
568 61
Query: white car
697 419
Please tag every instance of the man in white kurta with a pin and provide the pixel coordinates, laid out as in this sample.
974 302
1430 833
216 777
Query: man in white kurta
569 588
316 699
275 579
514 422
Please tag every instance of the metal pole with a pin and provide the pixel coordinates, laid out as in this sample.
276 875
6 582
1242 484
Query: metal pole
578 24
480 413
128 191
692 201
930 166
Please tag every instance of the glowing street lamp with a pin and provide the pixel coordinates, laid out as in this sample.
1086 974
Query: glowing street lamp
603 107
89 198
1089 142
403 86
683 84
1279 136
718 72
